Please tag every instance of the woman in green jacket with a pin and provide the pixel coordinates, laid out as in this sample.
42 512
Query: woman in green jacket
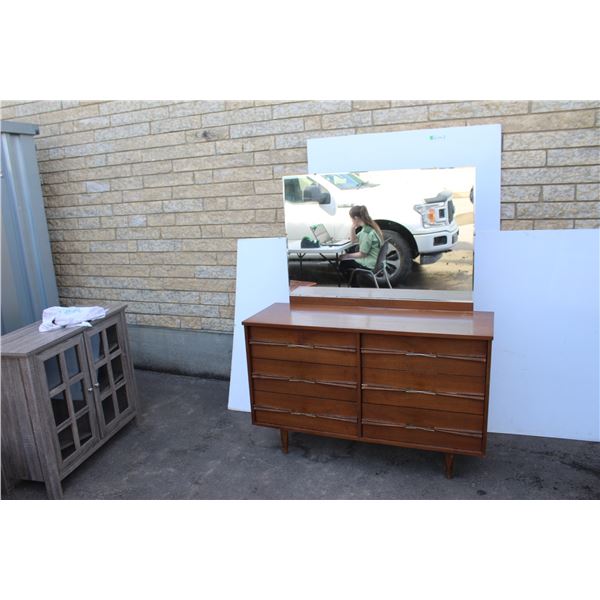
369 240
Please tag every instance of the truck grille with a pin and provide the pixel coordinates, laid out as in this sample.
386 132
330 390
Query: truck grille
450 211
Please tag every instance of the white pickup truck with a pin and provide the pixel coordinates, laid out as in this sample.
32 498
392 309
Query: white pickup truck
415 215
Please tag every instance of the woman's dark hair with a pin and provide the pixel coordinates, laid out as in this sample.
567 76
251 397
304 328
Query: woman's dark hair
363 214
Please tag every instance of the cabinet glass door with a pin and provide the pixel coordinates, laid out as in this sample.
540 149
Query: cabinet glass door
109 378
69 392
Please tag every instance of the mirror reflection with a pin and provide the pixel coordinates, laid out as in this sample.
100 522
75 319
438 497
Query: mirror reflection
400 229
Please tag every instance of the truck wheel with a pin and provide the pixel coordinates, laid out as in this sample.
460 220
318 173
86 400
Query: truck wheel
399 259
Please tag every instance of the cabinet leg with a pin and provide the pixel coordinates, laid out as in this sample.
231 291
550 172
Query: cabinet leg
54 489
284 440
449 465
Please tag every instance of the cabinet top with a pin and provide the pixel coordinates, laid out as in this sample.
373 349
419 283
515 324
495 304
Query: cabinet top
29 340
430 323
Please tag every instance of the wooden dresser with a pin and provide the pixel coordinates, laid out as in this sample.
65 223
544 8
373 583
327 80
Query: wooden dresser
405 373
64 394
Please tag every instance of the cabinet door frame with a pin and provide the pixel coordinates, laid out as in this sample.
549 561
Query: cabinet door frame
106 360
77 342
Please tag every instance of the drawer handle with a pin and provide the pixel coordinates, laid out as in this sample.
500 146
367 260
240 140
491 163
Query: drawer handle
306 346
294 380
421 354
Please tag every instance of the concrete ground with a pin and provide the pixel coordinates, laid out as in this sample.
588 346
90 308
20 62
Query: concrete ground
189 446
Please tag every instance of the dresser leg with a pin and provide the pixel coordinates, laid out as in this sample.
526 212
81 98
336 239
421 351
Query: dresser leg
449 464
284 440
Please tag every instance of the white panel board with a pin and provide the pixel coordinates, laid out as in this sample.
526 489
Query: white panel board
543 287
261 280
478 146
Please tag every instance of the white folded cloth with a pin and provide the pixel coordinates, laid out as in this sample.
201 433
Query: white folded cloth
56 317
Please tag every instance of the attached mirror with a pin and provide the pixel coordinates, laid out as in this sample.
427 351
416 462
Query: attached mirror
426 216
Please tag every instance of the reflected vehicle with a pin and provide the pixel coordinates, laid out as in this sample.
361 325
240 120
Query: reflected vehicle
415 214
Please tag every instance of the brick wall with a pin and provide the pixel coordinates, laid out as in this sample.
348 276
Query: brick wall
145 200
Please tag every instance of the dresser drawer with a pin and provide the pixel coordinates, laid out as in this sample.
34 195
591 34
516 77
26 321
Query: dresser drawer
335 391
434 419
304 371
428 363
416 381
306 405
302 337
429 400
287 420
425 438
312 354
425 345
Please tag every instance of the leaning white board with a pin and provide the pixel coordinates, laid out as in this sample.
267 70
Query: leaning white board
261 280
542 285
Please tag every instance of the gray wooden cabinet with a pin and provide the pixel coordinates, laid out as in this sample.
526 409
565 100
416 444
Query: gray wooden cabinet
64 394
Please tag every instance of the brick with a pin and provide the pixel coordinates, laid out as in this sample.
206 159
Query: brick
559 210
95 161
215 272
89 149
122 158
117 246
122 221
209 324
187 205
289 169
218 218
189 309
551 175
558 193
560 105
127 183
203 177
181 232
186 150
266 128
400 115
575 156
310 107
251 202
212 162
137 208
88 234
258 143
370 104
115 259
588 191
158 220
587 224
253 230
147 195
212 231
109 108
311 123
91 123
138 233
242 174
78 211
213 189
158 246
176 124
66 164
35 108
298 140
269 187
466 110
524 158
168 179
214 298
553 224
207 134
125 131
100 173
516 225
152 168
97 186
354 119
540 121
197 107
172 271
139 116
53 141
158 321
245 115
525 193
99 198
550 139
88 223
507 211
229 146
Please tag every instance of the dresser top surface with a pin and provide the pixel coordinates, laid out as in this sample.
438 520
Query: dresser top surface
29 339
441 323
